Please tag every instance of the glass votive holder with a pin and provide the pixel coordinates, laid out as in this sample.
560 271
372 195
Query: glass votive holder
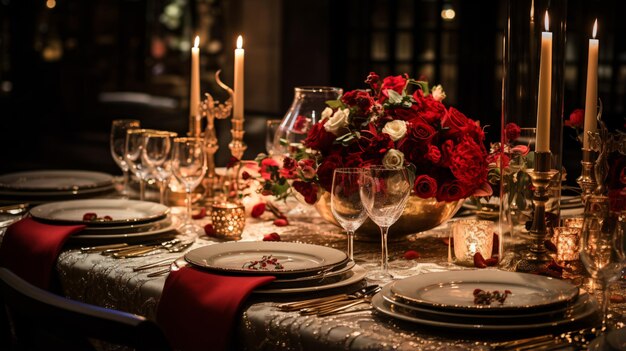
573 222
472 236
228 219
566 240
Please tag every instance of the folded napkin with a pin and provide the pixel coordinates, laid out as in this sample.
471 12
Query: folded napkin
198 310
30 249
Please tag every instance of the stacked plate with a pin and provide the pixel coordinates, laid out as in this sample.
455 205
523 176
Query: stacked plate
130 220
53 185
298 267
446 300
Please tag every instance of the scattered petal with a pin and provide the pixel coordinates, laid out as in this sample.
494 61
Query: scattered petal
411 255
479 261
209 230
281 222
258 210
271 237
200 214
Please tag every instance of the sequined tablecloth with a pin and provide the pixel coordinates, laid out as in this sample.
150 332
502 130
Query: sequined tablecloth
110 282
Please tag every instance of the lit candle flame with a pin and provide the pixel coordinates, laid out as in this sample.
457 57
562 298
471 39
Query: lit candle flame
239 42
196 42
546 21
595 28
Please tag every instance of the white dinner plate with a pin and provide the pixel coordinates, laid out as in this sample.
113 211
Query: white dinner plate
330 274
295 258
460 317
358 273
454 290
54 180
386 308
120 210
90 238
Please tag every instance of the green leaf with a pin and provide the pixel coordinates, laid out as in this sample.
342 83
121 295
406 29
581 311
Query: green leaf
394 97
284 142
335 104
422 84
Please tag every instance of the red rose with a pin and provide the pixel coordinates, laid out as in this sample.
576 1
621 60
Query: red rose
425 186
433 155
271 237
446 152
373 80
429 109
289 170
326 168
258 210
512 131
232 162
307 190
319 139
576 118
468 163
301 125
459 125
451 191
245 175
374 146
360 99
396 83
268 166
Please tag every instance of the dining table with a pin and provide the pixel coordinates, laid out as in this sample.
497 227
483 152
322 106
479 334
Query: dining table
112 283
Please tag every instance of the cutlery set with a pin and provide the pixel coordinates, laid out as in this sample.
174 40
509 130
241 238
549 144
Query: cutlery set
123 250
328 305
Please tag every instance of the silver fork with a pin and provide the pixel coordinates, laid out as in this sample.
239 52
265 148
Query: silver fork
176 265
335 306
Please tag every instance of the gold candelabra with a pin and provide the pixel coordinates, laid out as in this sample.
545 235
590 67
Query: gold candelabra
212 109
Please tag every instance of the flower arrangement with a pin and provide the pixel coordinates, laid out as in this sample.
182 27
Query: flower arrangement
398 120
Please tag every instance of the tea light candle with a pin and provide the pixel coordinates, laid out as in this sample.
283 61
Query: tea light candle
472 236
573 222
228 219
566 243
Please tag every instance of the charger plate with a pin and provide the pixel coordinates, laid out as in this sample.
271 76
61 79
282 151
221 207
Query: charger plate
295 258
122 211
454 290
394 311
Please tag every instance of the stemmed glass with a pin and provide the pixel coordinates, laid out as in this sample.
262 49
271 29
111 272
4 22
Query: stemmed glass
133 151
117 144
189 166
346 204
384 193
271 127
157 155
602 251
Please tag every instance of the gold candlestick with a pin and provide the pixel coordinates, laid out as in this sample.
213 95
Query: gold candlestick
212 109
541 177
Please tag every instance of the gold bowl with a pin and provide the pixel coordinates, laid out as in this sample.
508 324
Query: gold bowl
419 215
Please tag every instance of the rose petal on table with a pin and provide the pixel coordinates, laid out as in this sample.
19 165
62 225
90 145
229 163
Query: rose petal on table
89 216
411 255
209 230
271 237
479 261
492 261
258 210
201 214
616 298
281 222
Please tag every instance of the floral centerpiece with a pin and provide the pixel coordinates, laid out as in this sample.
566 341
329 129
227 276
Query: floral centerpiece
397 121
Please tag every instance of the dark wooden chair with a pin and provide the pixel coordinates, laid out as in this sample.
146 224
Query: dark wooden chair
35 319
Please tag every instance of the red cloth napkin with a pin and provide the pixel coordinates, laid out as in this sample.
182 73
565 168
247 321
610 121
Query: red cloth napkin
198 310
30 249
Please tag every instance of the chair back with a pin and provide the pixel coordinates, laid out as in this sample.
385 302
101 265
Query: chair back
32 318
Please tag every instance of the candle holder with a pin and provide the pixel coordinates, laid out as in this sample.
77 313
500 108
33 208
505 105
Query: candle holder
228 219
566 241
212 109
542 176
472 236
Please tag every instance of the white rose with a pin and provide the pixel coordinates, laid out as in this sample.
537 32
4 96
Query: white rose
327 113
396 129
438 93
338 121
393 159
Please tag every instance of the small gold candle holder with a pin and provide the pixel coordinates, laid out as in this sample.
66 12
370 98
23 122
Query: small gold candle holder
228 219
566 240
573 222
472 236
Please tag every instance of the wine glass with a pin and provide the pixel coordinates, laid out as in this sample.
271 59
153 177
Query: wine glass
117 144
384 193
346 204
602 251
271 127
189 166
133 151
157 155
